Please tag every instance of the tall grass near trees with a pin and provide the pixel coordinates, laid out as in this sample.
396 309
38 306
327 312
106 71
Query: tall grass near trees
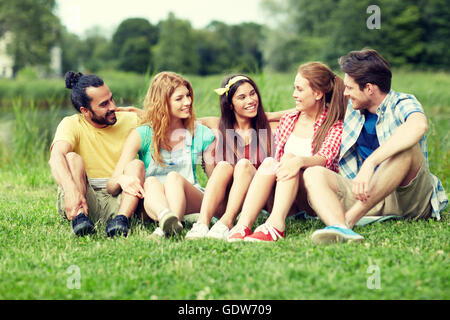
38 247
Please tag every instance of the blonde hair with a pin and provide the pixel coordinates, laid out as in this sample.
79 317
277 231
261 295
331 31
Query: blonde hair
157 114
322 79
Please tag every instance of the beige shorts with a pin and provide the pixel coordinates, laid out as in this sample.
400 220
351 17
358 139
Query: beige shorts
102 206
411 201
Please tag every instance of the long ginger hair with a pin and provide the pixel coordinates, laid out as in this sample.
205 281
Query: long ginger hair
157 106
322 79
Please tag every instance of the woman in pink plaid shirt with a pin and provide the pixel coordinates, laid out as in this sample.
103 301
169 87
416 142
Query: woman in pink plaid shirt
309 136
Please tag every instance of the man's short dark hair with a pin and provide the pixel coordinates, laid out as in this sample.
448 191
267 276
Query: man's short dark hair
78 83
367 66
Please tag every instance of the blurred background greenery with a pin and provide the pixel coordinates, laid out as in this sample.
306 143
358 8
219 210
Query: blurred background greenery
413 34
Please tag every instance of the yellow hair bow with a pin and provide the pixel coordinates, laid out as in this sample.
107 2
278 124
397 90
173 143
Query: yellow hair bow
232 81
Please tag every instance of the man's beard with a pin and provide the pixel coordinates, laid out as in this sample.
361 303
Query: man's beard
103 120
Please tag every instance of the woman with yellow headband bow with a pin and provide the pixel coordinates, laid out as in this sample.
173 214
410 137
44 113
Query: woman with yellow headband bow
244 140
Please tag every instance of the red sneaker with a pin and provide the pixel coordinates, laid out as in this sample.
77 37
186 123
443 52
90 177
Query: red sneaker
238 233
265 232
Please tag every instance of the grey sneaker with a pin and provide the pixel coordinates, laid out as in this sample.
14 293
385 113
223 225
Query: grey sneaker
218 231
170 223
198 231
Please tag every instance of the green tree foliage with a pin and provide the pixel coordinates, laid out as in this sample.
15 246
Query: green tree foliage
225 48
71 49
177 48
95 52
135 55
435 18
132 42
412 33
34 29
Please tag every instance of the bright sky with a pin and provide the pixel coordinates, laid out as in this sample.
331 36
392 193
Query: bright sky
81 15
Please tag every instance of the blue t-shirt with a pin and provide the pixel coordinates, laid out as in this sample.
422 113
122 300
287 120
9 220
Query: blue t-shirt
368 141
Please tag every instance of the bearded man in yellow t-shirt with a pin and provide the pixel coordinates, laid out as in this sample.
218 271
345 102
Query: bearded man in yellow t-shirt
84 153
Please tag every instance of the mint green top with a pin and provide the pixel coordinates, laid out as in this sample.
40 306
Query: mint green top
203 137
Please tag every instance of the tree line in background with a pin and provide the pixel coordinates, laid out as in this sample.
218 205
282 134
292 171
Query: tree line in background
413 33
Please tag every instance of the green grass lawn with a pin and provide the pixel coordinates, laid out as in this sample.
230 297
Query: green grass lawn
38 250
40 258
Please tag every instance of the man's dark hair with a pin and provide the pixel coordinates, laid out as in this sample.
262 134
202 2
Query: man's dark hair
78 83
367 66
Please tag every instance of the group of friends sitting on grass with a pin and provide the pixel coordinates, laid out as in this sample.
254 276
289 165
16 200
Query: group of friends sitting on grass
351 148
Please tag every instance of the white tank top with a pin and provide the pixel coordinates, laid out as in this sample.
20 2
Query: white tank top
300 147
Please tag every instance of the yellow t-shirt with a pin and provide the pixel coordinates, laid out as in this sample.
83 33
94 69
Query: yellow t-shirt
99 148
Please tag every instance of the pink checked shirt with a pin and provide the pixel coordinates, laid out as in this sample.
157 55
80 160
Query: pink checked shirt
330 146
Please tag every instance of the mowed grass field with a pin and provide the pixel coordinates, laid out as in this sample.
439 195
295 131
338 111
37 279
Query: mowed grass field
40 258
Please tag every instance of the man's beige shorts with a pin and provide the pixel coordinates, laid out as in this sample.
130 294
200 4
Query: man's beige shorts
411 201
102 206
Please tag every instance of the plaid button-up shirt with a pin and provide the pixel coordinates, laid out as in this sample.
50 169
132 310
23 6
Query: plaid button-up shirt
392 113
329 148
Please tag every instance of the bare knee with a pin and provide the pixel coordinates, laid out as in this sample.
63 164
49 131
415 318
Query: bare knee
312 175
172 178
224 168
268 162
268 166
150 182
243 167
411 156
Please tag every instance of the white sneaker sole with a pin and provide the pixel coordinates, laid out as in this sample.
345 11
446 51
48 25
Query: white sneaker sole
248 239
216 236
193 237
331 236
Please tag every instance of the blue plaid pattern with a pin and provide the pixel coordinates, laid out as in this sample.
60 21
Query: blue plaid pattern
393 112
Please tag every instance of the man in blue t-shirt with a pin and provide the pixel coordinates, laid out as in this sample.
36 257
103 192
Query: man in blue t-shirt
383 162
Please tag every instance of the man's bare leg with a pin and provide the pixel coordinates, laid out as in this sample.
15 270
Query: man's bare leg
397 171
322 187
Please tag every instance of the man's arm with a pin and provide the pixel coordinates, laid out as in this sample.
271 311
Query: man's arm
405 137
140 113
208 158
119 181
74 200
210 122
276 116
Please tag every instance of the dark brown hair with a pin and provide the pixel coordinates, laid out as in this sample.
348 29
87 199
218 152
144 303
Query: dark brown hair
367 66
228 120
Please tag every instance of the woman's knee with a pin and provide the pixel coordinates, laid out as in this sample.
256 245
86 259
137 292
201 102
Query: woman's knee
224 167
150 183
243 166
313 174
268 166
172 178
